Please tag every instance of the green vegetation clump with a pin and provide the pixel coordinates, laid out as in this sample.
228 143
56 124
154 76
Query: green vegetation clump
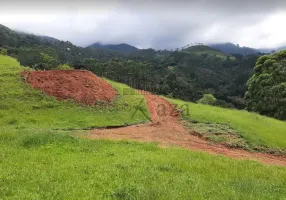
64 67
37 59
221 134
266 92
3 51
208 99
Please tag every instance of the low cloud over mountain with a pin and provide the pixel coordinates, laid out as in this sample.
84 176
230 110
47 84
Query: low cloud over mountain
164 24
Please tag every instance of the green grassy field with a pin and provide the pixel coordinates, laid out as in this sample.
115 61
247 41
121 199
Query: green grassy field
55 165
41 157
21 107
256 129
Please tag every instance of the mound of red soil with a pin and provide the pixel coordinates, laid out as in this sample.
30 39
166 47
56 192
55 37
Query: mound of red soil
80 85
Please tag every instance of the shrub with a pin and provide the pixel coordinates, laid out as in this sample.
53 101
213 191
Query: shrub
208 99
267 87
64 67
3 51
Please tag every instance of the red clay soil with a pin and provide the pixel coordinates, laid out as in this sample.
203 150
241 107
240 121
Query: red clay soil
80 85
167 131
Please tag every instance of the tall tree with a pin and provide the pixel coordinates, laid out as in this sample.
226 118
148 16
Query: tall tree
267 87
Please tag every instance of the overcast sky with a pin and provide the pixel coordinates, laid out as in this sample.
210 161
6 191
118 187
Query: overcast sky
144 24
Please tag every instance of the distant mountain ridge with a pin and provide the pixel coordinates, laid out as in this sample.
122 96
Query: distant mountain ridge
13 38
200 48
16 42
231 48
123 48
269 50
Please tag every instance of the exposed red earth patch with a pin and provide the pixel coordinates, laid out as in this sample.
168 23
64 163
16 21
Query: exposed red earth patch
80 85
166 130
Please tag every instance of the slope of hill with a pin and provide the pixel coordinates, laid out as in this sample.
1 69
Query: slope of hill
231 48
26 108
8 37
17 99
66 167
190 75
12 38
123 48
37 138
257 130
167 130
199 49
28 49
207 51
194 71
48 39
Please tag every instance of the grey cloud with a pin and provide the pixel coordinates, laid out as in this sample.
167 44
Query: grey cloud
160 24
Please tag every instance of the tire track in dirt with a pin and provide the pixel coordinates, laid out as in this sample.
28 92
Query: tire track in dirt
166 130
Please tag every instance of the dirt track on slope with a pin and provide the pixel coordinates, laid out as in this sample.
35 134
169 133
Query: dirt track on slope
167 131
80 85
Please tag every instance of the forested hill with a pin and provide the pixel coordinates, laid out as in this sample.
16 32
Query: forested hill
123 48
21 45
187 74
231 48
10 38
234 49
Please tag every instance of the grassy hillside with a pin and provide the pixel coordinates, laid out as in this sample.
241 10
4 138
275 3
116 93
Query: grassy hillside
39 162
257 129
22 107
54 165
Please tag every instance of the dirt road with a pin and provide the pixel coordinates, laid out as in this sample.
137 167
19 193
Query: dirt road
166 130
